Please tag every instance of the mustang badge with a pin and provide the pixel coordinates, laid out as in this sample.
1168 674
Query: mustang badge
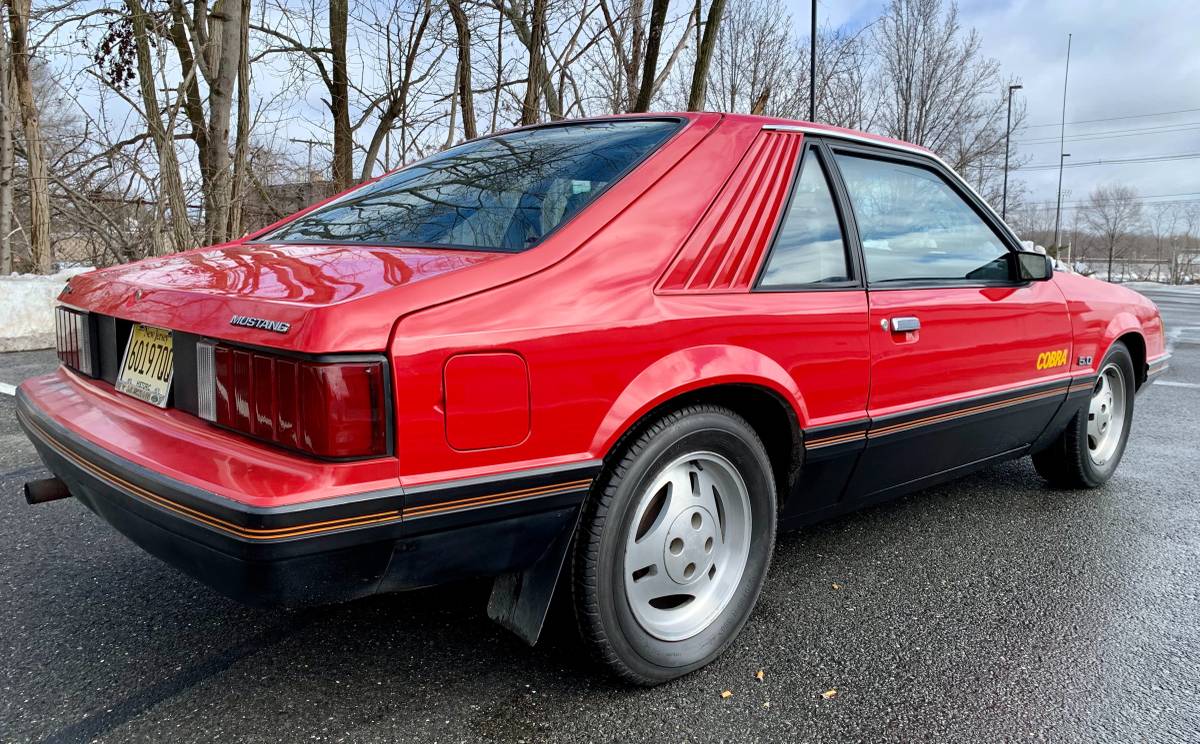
245 321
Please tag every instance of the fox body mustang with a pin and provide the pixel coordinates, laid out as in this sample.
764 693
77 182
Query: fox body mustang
616 354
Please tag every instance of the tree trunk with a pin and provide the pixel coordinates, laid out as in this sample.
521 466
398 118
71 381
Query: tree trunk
193 106
39 185
632 61
525 36
164 142
453 113
6 156
759 106
704 55
530 109
466 97
339 95
658 16
225 51
499 68
241 149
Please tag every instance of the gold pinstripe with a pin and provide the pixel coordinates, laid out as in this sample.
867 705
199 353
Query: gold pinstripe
941 417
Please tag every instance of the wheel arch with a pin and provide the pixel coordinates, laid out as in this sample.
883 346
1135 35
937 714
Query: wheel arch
1127 329
742 380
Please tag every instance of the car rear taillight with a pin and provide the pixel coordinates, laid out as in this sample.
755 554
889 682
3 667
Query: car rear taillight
326 409
73 339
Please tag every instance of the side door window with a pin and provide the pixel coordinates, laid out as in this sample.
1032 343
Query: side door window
915 228
809 248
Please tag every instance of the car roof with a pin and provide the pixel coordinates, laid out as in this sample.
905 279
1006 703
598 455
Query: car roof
749 120
774 122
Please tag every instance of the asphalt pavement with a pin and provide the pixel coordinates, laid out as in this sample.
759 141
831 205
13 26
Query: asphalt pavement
990 609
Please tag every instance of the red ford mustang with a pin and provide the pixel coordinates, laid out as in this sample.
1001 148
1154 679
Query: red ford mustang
624 352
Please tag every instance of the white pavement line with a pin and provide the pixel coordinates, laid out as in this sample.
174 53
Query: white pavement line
6 389
1172 383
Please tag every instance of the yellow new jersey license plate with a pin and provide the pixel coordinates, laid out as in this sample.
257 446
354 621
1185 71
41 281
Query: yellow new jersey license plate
148 365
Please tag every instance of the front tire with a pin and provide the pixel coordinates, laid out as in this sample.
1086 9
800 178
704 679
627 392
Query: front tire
1088 451
675 544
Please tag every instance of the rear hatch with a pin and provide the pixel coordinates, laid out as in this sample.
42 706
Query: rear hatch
225 291
296 298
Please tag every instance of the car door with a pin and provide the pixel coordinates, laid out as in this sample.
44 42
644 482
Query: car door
812 283
967 364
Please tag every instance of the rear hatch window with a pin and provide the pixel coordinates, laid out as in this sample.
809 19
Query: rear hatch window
502 193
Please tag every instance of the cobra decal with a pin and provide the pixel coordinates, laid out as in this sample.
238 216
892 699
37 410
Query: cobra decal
1051 359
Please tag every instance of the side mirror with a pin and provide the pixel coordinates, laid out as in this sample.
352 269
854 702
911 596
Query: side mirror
1031 267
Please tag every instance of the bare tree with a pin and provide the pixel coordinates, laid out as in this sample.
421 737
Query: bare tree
466 97
1113 210
404 78
658 17
1163 221
938 89
6 153
848 93
164 141
35 156
241 150
330 64
401 77
537 65
704 53
756 62
339 95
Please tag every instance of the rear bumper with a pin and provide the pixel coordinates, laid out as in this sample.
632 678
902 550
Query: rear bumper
323 551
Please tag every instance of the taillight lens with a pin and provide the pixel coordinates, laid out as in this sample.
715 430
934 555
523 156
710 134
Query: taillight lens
73 340
327 409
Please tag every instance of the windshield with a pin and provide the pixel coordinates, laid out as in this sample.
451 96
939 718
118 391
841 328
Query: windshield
503 193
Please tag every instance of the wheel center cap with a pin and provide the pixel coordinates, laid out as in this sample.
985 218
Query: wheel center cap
691 545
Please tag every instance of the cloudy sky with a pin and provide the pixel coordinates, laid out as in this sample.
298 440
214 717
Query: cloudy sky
1128 59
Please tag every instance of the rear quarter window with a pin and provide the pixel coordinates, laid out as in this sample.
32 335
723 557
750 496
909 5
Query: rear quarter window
502 193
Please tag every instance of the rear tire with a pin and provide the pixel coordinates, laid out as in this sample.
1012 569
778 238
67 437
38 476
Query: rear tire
692 498
1088 451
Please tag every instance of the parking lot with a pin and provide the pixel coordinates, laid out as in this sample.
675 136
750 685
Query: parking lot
989 609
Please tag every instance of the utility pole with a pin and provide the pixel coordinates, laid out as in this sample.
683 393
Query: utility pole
308 169
812 67
1007 137
1062 136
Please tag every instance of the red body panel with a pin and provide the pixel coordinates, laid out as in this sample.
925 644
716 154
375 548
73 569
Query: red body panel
581 314
1101 313
973 341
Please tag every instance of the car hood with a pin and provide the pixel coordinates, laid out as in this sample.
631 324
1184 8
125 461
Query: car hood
310 288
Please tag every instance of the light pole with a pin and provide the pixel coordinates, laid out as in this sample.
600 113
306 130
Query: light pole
1062 137
1007 137
812 66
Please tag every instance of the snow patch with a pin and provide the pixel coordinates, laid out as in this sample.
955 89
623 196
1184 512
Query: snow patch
27 308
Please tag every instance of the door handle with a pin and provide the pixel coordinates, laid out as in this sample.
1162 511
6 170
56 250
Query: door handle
906 324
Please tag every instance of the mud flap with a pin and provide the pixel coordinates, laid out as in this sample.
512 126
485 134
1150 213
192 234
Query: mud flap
520 600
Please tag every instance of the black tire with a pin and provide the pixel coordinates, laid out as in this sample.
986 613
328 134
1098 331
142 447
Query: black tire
1067 463
606 622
